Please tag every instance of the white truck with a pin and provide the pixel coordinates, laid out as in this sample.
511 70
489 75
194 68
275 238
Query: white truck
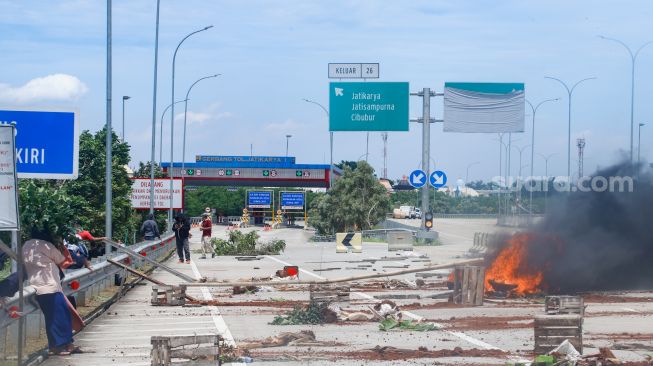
405 212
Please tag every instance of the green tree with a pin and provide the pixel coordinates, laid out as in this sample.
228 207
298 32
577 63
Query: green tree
90 185
62 203
46 204
356 201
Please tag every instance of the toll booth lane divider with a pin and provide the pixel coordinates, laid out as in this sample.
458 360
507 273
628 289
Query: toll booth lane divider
81 283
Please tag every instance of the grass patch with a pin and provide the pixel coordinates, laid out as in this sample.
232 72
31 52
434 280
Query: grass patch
419 242
375 240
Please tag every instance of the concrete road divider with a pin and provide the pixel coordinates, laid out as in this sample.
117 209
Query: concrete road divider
349 242
400 240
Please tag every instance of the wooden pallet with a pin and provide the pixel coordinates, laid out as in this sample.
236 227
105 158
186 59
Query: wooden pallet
564 305
326 293
469 285
551 330
165 295
165 348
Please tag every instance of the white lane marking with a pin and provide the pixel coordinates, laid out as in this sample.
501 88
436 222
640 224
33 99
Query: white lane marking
460 335
632 310
218 320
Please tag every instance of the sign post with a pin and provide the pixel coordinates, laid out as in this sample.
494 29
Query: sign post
379 106
10 216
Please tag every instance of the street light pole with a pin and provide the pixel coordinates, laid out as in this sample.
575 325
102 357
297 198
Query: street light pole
633 58
124 98
161 131
330 139
639 144
534 110
570 91
287 139
546 176
467 173
183 149
172 120
156 62
108 210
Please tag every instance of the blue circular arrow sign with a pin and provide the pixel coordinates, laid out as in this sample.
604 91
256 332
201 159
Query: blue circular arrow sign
438 179
417 178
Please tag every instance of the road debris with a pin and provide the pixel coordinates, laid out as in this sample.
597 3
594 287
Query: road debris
313 313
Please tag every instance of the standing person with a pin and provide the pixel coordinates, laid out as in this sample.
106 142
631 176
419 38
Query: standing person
206 235
182 233
150 229
43 262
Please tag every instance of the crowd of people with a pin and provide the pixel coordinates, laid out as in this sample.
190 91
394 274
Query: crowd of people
47 255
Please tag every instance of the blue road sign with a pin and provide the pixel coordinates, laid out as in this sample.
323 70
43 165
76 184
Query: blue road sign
417 178
438 179
292 200
47 142
259 199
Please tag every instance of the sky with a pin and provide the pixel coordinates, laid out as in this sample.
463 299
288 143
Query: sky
271 54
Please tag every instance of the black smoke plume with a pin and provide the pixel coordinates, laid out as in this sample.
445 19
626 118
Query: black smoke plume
597 240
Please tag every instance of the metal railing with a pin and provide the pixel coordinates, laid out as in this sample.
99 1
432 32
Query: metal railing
83 284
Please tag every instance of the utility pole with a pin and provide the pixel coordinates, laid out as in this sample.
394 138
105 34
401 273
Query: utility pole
384 137
156 62
426 121
109 158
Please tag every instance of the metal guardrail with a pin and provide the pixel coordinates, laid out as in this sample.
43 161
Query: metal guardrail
81 283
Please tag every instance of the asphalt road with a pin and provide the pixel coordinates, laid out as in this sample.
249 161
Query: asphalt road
122 335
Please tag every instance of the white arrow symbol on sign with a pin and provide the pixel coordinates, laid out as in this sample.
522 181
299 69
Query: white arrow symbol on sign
339 92
439 180
417 179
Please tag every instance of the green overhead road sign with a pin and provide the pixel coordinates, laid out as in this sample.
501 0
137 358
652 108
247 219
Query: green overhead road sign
365 106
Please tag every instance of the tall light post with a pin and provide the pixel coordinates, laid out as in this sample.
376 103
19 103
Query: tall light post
124 98
467 172
570 91
534 110
639 143
546 177
330 139
287 139
633 58
172 118
521 150
108 189
161 131
156 62
183 149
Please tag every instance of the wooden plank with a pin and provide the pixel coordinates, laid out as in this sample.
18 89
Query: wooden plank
143 275
557 320
480 287
557 332
178 341
195 352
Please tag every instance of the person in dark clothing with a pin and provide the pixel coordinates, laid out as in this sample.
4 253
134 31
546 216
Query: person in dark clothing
149 229
182 233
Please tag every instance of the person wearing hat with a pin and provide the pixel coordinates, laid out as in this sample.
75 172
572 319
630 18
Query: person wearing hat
206 234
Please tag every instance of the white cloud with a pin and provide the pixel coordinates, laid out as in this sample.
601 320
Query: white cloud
55 87
287 125
201 117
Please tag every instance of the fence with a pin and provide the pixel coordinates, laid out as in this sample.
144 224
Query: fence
82 284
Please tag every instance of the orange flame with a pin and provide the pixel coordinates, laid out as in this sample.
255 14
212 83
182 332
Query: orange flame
511 268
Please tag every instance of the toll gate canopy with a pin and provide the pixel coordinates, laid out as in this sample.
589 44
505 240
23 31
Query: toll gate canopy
251 171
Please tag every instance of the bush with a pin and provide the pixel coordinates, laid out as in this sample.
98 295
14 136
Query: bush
314 313
246 244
